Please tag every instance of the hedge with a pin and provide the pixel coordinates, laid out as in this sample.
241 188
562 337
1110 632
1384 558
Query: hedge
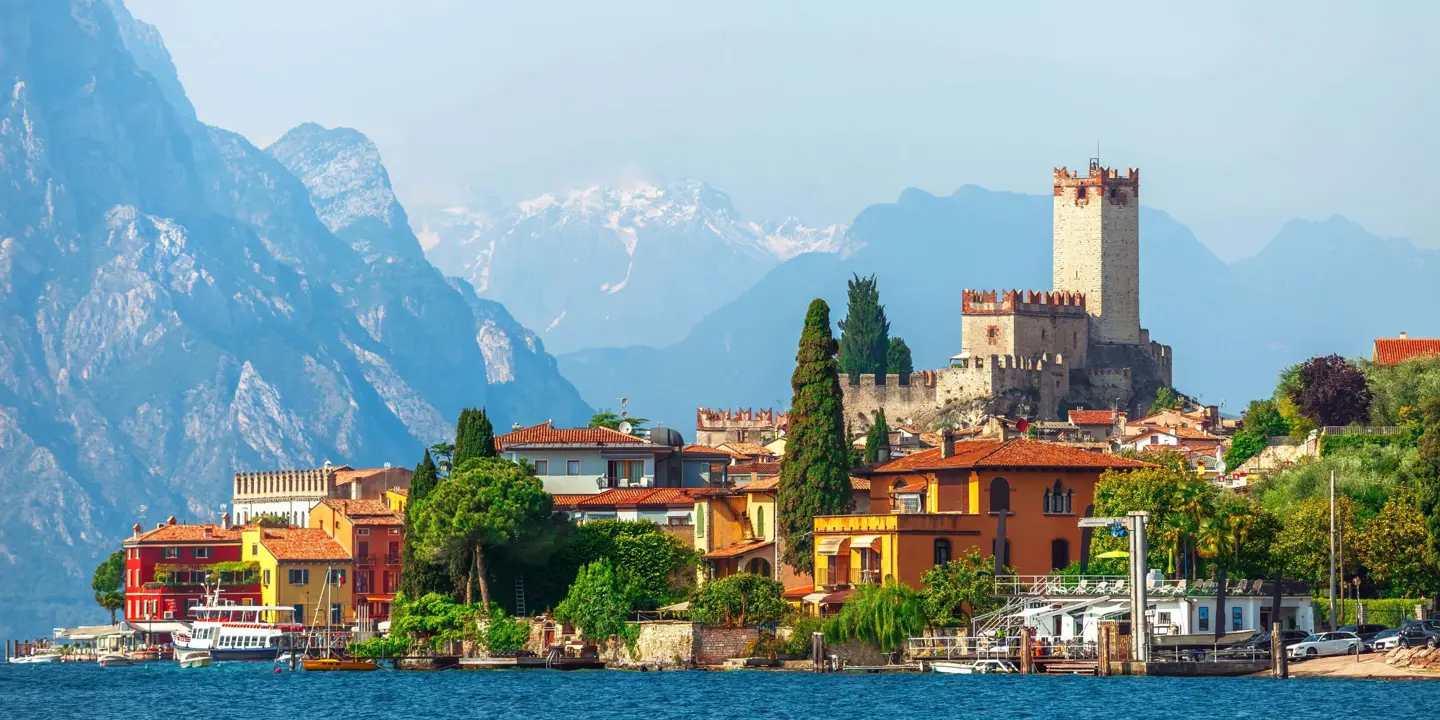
1335 443
1388 612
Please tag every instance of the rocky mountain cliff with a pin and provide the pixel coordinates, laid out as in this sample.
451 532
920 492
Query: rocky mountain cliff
615 266
1232 327
179 305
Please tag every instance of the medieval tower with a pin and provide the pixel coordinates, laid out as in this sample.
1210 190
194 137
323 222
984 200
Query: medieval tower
1097 248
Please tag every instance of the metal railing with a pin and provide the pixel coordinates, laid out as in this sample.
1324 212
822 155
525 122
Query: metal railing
950 646
1097 585
365 560
835 577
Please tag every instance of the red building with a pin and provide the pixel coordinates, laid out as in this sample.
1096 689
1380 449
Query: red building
165 569
374 535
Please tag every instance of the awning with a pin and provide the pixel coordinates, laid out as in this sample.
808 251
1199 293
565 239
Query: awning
864 541
737 549
677 607
830 545
157 626
814 598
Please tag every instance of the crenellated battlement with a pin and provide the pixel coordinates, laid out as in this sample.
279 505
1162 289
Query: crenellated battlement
1099 181
1025 302
268 483
707 419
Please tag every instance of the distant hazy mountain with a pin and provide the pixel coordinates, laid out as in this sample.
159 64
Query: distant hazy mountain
614 266
175 309
1317 288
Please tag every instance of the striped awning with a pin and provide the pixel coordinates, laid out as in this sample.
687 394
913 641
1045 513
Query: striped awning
830 545
864 541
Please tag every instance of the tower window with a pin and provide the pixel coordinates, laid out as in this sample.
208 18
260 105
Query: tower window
1112 193
1080 193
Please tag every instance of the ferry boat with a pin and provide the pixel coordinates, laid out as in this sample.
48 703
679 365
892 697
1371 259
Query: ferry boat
240 632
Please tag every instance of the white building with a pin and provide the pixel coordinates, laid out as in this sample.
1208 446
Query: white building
291 494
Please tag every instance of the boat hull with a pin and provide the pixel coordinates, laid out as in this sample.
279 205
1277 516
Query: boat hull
952 669
35 659
330 665
110 661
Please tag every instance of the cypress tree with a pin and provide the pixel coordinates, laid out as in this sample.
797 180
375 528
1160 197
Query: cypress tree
814 477
1427 477
864 333
467 438
878 437
897 360
485 436
417 575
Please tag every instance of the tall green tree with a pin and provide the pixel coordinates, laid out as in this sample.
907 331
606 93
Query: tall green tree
109 583
485 436
484 504
607 419
864 333
897 360
1166 399
1392 547
474 437
418 575
442 452
1427 476
739 600
815 472
597 603
882 616
959 590
877 438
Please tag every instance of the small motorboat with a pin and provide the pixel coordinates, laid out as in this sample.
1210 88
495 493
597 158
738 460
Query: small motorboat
117 660
338 665
979 667
194 659
36 659
952 668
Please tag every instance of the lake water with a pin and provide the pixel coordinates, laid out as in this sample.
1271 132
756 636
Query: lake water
252 691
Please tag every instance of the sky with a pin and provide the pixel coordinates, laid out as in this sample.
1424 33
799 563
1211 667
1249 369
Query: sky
1240 115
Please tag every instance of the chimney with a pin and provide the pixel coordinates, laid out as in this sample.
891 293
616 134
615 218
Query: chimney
170 520
1402 334
882 455
136 529
225 520
947 443
208 532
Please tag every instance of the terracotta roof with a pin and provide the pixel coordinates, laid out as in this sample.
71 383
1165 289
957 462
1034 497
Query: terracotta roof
638 497
402 492
798 592
174 533
1018 453
1184 433
365 512
301 544
568 502
1393 351
737 549
912 485
1093 417
547 434
706 450
859 483
347 476
747 448
758 468
762 485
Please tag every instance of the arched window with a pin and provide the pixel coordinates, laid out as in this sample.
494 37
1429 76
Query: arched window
942 551
760 521
758 566
1070 502
1059 554
999 495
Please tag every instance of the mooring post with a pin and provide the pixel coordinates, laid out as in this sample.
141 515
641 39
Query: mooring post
1027 655
817 651
1279 664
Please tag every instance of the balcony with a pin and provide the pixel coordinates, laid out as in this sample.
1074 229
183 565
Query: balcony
840 577
365 560
608 482
958 523
392 559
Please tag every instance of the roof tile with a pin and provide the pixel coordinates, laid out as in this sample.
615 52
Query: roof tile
302 544
186 533
1093 417
1393 351
547 434
1018 453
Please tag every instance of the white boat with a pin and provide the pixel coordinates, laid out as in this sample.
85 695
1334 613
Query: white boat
44 657
979 667
193 658
116 660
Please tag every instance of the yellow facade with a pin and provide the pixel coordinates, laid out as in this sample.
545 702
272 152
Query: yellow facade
306 588
396 500
863 549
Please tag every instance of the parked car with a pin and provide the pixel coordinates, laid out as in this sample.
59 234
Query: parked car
1384 641
1365 631
1322 644
1259 644
1419 633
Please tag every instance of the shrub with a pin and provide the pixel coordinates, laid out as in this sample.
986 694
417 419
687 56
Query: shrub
882 616
503 633
740 600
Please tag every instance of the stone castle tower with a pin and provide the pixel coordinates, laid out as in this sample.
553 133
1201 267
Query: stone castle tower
1097 248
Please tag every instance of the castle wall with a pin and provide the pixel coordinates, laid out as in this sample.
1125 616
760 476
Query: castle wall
1097 248
979 386
1025 324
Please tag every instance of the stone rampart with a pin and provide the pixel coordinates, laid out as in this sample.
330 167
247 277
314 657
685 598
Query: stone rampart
1043 381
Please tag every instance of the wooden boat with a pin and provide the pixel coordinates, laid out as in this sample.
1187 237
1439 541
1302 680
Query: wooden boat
338 665
194 659
38 658
117 660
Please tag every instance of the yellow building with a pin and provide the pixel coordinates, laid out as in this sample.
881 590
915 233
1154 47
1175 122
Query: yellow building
396 499
735 531
294 566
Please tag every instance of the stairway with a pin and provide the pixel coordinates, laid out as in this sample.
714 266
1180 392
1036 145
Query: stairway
520 596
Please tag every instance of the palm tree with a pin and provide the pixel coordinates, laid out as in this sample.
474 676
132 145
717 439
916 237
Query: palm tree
1191 508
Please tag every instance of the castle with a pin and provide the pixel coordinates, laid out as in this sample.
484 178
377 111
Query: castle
717 427
1037 353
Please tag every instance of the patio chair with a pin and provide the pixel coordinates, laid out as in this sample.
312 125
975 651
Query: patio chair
1178 588
1237 588
1118 587
1082 587
1258 588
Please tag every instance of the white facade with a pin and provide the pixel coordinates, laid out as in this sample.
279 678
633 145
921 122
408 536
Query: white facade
1071 618
296 509
586 471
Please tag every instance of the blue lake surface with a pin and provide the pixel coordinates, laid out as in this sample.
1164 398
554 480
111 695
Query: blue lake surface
252 690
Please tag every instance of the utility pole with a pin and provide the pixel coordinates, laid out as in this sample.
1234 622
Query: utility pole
1333 625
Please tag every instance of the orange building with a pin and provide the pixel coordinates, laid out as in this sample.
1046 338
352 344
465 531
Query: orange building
373 535
932 506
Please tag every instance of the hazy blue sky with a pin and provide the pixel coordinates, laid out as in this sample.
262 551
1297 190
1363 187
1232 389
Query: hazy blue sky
1240 114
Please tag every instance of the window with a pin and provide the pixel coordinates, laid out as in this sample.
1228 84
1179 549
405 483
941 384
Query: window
1237 618
363 550
758 566
336 577
394 531
908 503
171 553
572 467
1059 554
942 551
362 531
365 581
267 577
254 550
542 467
1204 618
760 521
999 495
299 576
699 521
992 334
202 553
336 616
300 613
392 579
1080 193
393 556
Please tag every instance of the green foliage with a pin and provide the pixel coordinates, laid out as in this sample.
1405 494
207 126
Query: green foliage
1303 546
1393 388
1178 501
419 575
877 438
271 519
1166 399
897 360
802 630
388 646
740 600
959 590
815 473
108 583
1388 612
607 419
766 645
474 437
882 616
1366 475
1332 391
1330 444
1427 477
1263 420
1246 444
1392 549
648 559
598 602
864 333
485 503
502 633
434 620
443 452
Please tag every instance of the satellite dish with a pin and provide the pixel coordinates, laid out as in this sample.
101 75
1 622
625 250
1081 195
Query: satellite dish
626 427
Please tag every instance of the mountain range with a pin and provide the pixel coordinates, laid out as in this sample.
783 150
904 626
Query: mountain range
603 266
179 305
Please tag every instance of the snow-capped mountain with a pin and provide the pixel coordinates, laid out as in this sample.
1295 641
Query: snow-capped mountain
606 266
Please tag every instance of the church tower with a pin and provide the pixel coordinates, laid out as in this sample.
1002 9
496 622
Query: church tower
1097 248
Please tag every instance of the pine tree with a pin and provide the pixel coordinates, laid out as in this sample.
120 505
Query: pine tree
879 437
864 333
418 576
897 360
814 477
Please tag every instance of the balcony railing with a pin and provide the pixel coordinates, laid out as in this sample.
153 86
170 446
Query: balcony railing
609 481
1097 585
365 560
392 559
837 577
